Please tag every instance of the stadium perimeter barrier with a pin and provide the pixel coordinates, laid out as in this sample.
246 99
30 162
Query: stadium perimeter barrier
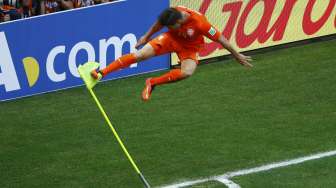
41 54
259 24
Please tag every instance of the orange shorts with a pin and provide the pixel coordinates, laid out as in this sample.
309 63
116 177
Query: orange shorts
165 43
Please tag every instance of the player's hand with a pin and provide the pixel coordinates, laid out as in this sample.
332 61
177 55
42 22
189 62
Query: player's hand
142 41
245 60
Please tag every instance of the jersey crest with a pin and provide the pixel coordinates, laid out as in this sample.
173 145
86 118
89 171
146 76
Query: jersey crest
190 32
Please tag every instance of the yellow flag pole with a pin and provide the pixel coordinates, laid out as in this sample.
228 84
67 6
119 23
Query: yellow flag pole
118 139
84 71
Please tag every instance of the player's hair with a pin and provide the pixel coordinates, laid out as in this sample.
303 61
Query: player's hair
169 17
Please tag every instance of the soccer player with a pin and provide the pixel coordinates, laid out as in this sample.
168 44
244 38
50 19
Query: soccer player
185 37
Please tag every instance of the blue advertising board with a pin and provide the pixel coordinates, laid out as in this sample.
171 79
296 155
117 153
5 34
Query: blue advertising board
41 54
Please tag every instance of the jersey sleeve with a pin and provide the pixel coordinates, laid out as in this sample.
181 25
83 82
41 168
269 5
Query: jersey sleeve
209 30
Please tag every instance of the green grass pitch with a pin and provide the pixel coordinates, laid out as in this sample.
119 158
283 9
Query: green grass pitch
224 118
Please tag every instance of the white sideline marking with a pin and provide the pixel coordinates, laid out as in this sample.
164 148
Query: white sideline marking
224 178
228 183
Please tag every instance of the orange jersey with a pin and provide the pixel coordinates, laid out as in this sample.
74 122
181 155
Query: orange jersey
191 33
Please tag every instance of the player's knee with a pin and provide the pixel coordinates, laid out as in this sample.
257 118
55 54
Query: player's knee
187 72
140 56
145 53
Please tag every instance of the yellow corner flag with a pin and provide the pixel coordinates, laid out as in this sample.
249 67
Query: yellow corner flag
84 72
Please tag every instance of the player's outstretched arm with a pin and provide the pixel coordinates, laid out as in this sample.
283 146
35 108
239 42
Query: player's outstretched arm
145 38
242 59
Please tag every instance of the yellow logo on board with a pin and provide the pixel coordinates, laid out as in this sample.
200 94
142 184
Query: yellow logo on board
32 69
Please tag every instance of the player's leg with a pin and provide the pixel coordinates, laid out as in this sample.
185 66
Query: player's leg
125 61
188 67
189 63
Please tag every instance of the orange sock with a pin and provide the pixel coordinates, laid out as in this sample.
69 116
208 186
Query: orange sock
173 75
119 63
